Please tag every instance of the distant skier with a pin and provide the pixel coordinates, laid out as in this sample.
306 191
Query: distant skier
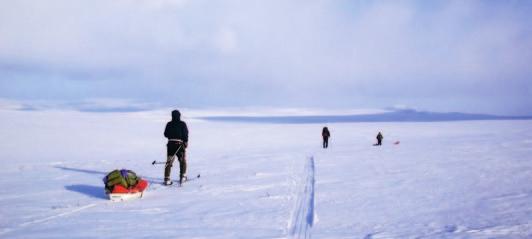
379 139
177 133
325 134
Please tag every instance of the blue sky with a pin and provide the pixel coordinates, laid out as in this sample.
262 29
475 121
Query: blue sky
469 56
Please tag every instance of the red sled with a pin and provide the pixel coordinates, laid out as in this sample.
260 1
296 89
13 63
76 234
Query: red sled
120 193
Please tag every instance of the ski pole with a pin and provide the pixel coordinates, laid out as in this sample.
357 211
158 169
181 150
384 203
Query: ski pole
173 157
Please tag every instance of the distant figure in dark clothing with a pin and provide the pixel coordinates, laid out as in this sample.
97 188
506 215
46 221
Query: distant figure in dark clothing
379 139
325 134
177 133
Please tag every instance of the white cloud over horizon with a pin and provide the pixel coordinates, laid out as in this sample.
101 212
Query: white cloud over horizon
468 56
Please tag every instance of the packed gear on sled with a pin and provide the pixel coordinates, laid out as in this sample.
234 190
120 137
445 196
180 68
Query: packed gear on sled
124 185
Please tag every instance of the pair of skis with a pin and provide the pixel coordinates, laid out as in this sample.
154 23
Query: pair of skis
180 183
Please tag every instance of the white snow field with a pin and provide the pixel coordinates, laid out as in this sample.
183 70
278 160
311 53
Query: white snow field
466 179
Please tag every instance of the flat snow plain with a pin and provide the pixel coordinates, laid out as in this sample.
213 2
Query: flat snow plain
466 179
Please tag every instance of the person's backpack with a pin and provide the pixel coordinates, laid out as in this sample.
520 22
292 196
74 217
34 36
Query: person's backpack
124 177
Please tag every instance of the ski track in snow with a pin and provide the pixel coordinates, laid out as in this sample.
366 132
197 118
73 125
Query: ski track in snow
49 218
74 211
303 215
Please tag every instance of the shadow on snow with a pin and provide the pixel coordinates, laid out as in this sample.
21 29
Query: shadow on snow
90 190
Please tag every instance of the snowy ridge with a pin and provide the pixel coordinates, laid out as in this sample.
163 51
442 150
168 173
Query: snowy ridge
303 215
389 116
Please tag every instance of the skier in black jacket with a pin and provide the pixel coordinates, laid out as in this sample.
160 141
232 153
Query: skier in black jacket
379 139
325 134
177 133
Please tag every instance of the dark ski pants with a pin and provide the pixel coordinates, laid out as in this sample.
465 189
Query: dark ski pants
177 149
325 142
379 142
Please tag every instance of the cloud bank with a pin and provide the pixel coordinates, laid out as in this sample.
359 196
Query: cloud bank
450 56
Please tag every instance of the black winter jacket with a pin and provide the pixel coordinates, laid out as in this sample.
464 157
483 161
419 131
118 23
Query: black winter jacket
176 129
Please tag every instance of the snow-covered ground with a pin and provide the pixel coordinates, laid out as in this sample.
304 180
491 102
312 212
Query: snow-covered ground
444 180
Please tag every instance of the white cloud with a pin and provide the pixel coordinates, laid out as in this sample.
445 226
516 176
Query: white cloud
226 40
162 4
